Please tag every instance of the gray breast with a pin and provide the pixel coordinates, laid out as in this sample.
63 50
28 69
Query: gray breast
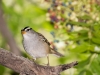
35 47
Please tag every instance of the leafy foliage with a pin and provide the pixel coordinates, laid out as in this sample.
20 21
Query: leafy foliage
74 26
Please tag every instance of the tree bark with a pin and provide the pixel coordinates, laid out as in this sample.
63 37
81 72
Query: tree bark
24 66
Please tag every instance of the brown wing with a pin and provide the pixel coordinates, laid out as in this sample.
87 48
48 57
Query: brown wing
43 38
52 51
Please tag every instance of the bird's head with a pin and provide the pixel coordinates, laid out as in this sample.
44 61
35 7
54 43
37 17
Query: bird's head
26 30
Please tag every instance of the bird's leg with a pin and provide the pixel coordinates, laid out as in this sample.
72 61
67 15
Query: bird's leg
48 60
33 59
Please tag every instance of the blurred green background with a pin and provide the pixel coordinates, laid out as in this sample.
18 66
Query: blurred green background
71 26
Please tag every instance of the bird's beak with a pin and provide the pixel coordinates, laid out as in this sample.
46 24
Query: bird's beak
23 32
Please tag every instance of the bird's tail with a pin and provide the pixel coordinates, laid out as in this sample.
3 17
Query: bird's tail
56 53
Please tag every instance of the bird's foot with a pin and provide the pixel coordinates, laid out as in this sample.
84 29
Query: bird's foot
46 64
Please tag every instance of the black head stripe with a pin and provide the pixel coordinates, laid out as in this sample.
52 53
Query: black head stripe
27 28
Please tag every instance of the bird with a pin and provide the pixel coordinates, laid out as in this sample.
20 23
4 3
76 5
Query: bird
36 45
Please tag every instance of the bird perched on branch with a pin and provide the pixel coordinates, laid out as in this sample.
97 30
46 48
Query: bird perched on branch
36 45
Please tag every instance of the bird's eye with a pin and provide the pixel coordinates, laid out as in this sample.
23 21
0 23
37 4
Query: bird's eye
28 29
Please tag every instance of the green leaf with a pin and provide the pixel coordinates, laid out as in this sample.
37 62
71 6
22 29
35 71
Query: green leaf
83 64
88 72
83 24
85 72
81 48
96 30
96 40
85 17
95 67
82 72
2 70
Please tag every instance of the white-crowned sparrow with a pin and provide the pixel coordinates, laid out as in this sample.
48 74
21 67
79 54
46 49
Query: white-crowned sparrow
36 44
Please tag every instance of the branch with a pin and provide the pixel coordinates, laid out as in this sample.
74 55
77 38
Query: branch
26 67
7 34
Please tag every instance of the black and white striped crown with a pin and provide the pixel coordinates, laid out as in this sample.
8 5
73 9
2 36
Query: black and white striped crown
27 28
